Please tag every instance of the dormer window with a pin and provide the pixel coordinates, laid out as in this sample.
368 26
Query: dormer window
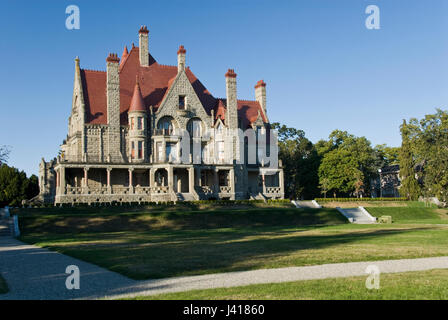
181 102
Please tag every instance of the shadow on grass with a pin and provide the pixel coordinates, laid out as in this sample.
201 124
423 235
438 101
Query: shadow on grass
180 220
163 254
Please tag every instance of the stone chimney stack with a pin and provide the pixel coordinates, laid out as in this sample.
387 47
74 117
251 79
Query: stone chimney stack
143 46
232 104
181 59
113 106
260 94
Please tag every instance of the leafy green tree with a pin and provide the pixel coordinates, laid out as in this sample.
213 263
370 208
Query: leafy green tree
300 162
347 163
15 186
410 187
386 156
4 154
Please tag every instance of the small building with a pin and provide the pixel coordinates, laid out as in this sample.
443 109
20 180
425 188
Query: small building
125 137
388 182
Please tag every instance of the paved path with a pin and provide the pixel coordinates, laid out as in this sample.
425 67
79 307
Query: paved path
36 273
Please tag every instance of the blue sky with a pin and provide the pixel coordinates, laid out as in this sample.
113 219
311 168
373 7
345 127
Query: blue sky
323 68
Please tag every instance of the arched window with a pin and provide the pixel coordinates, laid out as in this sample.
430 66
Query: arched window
194 128
165 125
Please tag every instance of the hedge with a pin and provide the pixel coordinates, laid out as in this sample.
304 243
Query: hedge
359 199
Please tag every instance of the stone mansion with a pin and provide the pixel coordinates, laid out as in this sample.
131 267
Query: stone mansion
125 131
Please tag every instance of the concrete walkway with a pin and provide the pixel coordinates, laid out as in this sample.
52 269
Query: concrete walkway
35 273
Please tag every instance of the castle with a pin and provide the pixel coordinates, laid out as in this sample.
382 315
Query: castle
125 132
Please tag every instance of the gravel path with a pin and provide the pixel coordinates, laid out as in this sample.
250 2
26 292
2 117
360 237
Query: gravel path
35 273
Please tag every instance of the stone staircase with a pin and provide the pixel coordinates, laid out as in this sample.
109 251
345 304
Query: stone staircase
357 215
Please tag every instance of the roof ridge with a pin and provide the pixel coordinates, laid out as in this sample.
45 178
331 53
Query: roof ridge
92 70
166 65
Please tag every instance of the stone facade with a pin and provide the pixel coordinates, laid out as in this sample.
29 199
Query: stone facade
127 145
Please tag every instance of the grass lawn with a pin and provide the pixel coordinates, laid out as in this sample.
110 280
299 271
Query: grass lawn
3 286
424 285
158 243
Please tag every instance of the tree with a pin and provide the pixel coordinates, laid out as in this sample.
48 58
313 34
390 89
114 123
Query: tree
15 186
386 156
4 154
300 162
347 163
409 184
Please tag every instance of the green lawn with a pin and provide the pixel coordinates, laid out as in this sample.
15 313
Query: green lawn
144 244
425 285
3 286
419 215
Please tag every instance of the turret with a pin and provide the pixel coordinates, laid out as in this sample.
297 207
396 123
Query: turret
137 118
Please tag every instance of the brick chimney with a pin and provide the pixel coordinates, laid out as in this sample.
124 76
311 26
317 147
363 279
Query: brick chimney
232 104
181 59
260 94
143 46
113 106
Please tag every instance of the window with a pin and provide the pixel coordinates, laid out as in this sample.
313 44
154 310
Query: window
220 147
165 125
194 128
132 150
171 151
182 102
140 149
140 123
132 123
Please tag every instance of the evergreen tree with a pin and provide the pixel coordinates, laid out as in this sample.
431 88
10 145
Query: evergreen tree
410 187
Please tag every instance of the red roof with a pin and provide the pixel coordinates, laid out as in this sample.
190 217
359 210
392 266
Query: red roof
154 81
137 103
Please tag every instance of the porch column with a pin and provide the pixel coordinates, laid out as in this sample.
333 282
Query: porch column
151 177
109 188
281 181
264 183
131 186
170 179
216 180
198 177
232 179
191 179
86 179
57 181
62 180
